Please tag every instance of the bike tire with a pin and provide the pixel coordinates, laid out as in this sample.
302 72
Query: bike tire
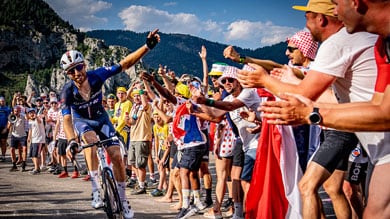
111 199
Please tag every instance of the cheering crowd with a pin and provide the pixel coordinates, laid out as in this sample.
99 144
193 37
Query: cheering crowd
277 132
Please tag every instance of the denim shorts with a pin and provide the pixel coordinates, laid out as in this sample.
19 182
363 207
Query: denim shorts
192 157
249 162
35 149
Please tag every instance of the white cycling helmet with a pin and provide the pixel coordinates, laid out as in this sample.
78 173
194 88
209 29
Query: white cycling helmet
70 59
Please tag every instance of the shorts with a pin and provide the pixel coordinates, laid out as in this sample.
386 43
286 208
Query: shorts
166 161
377 146
357 173
5 134
249 162
173 149
191 157
35 149
101 125
61 145
18 141
238 154
334 152
175 162
138 153
205 157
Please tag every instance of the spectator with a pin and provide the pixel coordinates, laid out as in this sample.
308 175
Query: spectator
36 138
5 111
18 137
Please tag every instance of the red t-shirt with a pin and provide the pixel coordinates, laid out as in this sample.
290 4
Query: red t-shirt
383 78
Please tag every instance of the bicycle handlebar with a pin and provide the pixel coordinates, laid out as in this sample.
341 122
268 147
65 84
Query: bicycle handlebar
99 143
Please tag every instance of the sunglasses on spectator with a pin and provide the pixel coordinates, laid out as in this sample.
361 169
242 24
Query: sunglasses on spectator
230 80
53 103
215 76
77 67
45 102
291 48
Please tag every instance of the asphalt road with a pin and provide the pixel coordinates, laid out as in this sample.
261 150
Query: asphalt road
23 195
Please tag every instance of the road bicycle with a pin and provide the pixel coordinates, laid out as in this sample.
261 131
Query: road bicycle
110 196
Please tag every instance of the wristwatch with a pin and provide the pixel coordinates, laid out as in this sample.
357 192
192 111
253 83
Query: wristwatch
315 117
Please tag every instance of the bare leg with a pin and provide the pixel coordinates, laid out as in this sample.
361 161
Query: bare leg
334 187
313 178
378 203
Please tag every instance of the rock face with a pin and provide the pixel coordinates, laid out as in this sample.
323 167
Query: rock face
33 38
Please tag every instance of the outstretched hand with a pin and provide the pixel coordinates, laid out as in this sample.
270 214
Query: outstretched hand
292 109
203 53
285 74
152 39
254 78
147 77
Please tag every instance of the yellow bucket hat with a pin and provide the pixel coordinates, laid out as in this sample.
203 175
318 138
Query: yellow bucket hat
183 90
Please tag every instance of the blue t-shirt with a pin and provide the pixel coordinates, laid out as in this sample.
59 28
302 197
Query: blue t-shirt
4 113
72 101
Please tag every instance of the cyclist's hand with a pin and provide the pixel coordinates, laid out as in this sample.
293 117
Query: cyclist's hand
153 39
72 149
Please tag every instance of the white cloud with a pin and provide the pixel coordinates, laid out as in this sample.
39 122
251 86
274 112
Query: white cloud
167 4
80 13
141 19
257 33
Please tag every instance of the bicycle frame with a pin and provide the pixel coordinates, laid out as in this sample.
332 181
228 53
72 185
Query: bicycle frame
112 202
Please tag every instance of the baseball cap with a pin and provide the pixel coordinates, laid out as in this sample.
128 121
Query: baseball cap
31 110
325 7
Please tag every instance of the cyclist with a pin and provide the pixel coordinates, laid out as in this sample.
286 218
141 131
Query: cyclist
81 103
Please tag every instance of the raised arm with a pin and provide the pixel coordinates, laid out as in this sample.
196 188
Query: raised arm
151 41
203 56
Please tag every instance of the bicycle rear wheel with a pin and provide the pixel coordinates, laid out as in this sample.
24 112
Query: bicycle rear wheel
112 202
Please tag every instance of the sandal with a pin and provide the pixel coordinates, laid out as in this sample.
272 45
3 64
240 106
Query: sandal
211 213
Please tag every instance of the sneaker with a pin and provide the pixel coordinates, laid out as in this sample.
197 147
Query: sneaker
2 158
132 183
57 171
199 206
63 175
212 214
75 174
152 180
128 213
52 169
226 204
13 169
96 200
139 191
87 178
185 213
43 168
157 193
34 172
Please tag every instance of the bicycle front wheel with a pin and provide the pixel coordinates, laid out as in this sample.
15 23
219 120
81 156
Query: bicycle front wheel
112 203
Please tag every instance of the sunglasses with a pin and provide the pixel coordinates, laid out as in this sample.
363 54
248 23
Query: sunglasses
291 48
45 102
215 77
77 67
230 80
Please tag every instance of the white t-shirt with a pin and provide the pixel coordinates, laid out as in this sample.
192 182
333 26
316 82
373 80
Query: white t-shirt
350 57
251 99
37 131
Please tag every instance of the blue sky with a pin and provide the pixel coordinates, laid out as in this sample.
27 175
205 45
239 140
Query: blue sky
248 24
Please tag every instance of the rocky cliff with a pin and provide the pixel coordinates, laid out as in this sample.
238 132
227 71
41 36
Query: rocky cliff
33 38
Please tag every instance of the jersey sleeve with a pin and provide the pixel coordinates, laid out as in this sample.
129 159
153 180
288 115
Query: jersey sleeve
66 99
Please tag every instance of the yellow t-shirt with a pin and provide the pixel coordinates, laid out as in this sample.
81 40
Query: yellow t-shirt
160 134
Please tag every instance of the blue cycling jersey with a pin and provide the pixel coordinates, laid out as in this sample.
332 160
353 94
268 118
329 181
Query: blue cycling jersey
73 103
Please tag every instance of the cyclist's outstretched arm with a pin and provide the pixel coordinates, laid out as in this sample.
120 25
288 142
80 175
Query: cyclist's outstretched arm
151 41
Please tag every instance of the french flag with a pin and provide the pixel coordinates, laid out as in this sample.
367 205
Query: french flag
273 192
